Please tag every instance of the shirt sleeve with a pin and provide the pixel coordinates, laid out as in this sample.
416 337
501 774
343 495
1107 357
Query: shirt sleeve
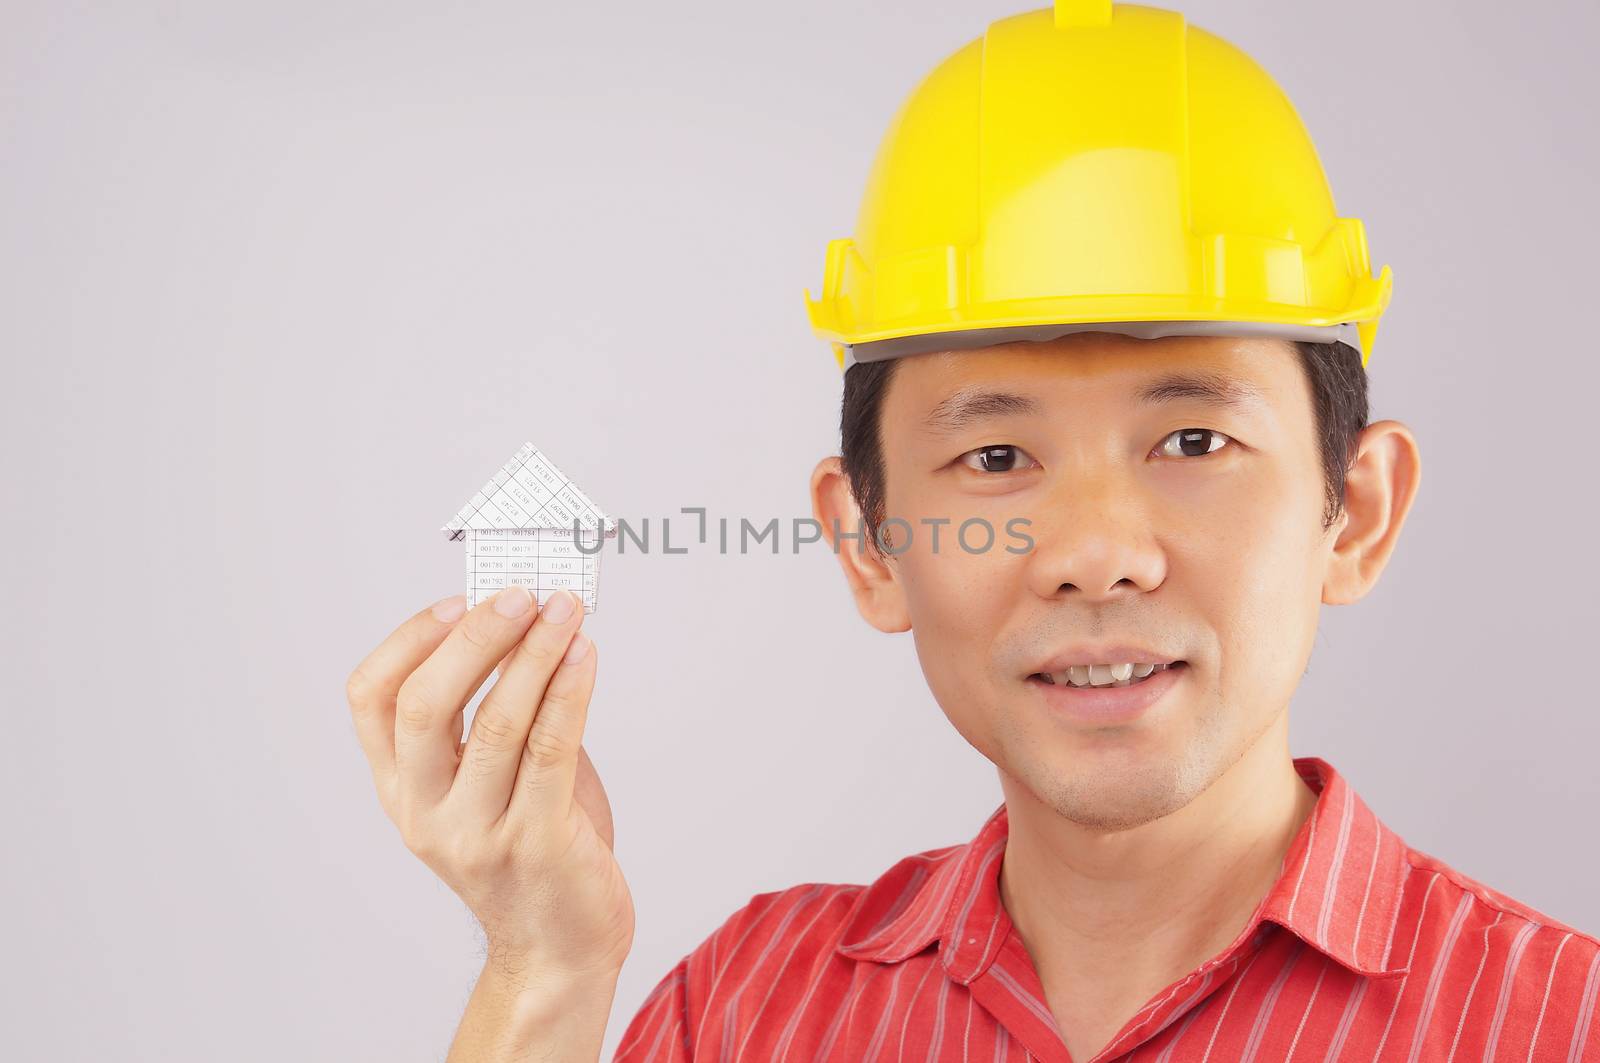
659 1030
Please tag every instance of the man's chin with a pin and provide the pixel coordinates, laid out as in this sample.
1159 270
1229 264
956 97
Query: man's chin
1116 790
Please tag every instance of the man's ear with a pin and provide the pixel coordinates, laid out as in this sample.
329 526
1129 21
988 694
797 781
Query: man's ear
871 575
1379 490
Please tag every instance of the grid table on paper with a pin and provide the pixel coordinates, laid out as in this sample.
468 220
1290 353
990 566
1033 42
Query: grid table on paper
529 492
544 560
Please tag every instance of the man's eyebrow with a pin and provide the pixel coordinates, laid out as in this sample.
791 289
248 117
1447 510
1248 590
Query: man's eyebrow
955 412
1205 386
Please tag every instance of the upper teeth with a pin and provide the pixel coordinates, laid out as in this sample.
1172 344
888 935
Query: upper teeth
1103 675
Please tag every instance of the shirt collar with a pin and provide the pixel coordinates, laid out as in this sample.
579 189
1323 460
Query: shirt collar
1338 889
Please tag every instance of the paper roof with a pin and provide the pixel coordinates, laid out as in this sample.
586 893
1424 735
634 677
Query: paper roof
530 492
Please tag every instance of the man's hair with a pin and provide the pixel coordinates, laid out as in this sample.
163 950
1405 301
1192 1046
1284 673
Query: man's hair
1338 400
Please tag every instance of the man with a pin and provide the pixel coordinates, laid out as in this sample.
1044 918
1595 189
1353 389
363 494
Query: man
1105 434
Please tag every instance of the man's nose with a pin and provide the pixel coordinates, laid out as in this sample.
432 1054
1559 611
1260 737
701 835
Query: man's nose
1093 540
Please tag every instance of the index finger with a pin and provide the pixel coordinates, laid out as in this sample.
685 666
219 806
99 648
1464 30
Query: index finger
372 687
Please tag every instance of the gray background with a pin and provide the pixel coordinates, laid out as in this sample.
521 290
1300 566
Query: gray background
281 283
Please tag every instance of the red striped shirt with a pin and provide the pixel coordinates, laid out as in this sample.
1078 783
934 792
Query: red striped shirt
1364 949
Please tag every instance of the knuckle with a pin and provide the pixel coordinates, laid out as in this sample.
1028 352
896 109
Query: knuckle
540 659
543 751
495 730
474 635
568 691
478 766
413 721
417 707
559 700
539 651
358 689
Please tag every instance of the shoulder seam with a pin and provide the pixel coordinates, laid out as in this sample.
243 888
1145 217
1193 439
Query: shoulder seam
1467 884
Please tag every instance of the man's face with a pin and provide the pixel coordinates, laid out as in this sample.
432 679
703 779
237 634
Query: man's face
1185 525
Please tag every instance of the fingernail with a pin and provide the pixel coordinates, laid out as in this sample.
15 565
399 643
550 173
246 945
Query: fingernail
558 607
513 601
578 650
449 610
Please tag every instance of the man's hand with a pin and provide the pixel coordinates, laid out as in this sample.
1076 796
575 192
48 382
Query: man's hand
514 819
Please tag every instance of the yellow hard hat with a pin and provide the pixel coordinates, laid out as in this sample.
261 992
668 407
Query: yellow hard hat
1103 166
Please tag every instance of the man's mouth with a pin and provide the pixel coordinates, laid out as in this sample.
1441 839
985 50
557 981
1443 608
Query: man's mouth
1123 674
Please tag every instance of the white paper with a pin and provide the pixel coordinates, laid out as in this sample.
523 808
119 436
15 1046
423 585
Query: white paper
531 525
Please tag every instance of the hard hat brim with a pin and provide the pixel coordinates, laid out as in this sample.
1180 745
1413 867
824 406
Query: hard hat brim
966 339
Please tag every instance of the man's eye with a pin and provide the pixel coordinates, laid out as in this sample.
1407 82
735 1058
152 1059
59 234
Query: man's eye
1190 443
1001 458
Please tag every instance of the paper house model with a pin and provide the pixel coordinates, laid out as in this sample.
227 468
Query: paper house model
531 525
